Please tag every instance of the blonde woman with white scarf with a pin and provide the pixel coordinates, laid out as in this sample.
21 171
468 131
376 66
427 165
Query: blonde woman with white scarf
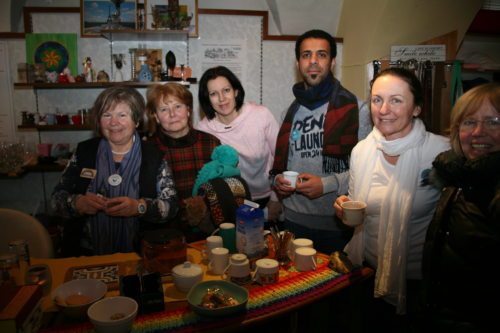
389 171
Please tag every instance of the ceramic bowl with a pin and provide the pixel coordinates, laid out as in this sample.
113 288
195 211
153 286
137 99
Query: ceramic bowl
186 276
113 314
74 297
199 291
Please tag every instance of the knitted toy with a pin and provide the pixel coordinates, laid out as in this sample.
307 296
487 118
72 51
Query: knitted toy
223 164
217 192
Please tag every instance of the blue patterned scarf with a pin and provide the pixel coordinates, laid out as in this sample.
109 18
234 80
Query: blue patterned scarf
115 234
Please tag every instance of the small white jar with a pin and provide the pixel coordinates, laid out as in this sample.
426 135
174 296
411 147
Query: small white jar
186 275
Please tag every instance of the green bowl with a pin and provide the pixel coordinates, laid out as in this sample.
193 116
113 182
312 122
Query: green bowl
199 290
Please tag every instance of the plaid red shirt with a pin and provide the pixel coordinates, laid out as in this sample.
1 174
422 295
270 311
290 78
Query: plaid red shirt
186 156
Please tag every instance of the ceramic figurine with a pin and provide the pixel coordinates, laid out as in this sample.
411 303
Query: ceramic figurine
119 60
88 71
102 76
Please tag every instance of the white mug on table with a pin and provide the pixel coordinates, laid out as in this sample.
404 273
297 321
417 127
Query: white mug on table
219 260
300 242
266 271
211 243
305 259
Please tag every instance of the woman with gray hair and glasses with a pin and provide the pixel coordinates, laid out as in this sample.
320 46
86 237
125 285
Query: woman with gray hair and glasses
464 236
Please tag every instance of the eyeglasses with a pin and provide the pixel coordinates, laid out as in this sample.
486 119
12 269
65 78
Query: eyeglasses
490 124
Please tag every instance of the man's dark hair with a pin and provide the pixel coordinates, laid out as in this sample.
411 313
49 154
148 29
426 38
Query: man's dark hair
319 34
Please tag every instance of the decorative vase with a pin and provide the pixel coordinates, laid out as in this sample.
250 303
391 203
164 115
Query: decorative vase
145 74
170 62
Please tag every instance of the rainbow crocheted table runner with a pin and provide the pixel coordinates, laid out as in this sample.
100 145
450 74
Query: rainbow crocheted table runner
293 287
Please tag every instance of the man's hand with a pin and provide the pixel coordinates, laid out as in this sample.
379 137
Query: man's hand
282 186
336 205
309 185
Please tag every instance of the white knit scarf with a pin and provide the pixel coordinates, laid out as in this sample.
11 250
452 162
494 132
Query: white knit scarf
390 278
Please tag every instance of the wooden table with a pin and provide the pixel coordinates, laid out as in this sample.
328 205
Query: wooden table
293 291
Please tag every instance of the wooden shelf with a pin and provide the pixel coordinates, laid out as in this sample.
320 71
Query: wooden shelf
96 85
145 35
53 128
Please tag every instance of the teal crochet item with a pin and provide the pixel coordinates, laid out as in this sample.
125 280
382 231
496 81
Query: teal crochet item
223 164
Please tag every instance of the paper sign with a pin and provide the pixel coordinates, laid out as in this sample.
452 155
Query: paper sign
418 52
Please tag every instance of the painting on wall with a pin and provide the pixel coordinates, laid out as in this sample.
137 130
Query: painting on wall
173 15
99 15
55 51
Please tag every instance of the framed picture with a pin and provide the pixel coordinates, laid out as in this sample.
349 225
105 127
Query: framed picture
54 51
173 15
99 15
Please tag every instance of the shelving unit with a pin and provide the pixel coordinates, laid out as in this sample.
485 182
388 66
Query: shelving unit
53 128
97 85
145 35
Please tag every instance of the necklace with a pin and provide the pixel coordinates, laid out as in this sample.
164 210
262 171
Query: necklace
120 153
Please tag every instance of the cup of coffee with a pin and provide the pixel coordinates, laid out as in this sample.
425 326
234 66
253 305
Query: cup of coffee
266 271
291 176
211 243
219 260
354 212
305 259
228 233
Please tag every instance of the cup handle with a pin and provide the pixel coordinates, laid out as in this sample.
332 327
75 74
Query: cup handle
255 274
204 253
215 232
224 274
314 263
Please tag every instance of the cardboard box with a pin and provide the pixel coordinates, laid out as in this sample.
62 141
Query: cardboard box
20 309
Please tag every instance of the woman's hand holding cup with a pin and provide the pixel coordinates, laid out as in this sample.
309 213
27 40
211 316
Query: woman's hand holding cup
337 205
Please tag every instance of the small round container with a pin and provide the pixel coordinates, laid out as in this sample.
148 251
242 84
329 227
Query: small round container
186 275
238 270
266 271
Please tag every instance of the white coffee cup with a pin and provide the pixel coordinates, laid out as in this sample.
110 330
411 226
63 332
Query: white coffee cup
238 270
354 212
291 176
305 259
266 271
211 243
300 242
219 260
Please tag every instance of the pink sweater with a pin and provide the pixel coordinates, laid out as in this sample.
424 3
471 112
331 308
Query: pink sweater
253 134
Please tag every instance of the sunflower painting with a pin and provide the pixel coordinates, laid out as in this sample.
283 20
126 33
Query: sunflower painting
55 51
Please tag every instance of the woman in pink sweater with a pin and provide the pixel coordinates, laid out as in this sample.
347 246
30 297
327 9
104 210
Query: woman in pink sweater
249 128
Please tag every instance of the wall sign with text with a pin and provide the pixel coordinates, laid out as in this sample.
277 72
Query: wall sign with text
418 52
